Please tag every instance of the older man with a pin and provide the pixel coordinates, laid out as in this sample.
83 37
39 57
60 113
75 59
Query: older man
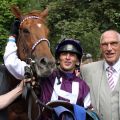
103 77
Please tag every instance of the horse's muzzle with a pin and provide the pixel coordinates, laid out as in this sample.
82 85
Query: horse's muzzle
44 67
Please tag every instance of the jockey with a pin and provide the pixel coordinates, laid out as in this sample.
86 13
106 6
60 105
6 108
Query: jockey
62 84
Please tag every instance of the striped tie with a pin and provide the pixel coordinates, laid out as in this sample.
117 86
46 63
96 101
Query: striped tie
110 70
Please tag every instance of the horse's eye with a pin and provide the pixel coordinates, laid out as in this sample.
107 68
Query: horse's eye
25 30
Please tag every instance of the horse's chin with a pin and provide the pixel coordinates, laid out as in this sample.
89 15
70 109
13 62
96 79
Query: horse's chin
43 72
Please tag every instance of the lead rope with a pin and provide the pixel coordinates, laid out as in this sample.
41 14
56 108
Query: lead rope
29 93
27 90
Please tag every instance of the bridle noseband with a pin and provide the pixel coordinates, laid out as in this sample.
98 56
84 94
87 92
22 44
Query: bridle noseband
38 42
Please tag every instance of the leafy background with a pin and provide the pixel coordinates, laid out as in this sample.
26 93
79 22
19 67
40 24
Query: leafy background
80 19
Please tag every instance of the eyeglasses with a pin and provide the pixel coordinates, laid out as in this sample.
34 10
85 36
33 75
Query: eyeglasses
112 44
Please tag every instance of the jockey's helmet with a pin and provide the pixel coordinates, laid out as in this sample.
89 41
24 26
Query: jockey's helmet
69 45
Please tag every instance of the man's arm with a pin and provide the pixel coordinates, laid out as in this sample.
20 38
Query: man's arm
9 97
14 65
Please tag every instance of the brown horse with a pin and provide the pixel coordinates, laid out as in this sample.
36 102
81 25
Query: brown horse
33 47
33 40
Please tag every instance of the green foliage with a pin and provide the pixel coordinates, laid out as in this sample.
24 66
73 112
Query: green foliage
80 19
6 18
84 20
73 20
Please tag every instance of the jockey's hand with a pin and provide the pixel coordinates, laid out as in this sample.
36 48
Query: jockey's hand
15 28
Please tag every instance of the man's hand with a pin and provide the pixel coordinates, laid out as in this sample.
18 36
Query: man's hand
15 28
25 81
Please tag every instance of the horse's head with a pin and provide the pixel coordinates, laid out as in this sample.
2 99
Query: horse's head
32 41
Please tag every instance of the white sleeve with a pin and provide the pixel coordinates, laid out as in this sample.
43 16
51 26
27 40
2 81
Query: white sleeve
87 101
14 65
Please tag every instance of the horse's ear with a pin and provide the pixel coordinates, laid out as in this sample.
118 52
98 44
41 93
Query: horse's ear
44 13
16 11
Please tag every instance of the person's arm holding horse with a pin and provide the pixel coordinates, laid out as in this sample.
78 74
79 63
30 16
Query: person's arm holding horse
9 97
14 65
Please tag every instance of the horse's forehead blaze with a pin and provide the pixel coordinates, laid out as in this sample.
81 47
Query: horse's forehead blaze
39 25
34 25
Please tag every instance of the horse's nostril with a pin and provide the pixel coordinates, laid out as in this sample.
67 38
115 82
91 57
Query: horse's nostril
43 61
47 62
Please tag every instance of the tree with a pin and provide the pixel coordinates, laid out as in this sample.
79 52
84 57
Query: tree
6 19
84 20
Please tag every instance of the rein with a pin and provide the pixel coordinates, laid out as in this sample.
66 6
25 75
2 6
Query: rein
29 93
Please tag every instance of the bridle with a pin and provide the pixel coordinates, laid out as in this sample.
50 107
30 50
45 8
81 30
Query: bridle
28 90
29 58
38 41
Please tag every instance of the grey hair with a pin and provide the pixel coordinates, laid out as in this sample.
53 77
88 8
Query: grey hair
118 34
